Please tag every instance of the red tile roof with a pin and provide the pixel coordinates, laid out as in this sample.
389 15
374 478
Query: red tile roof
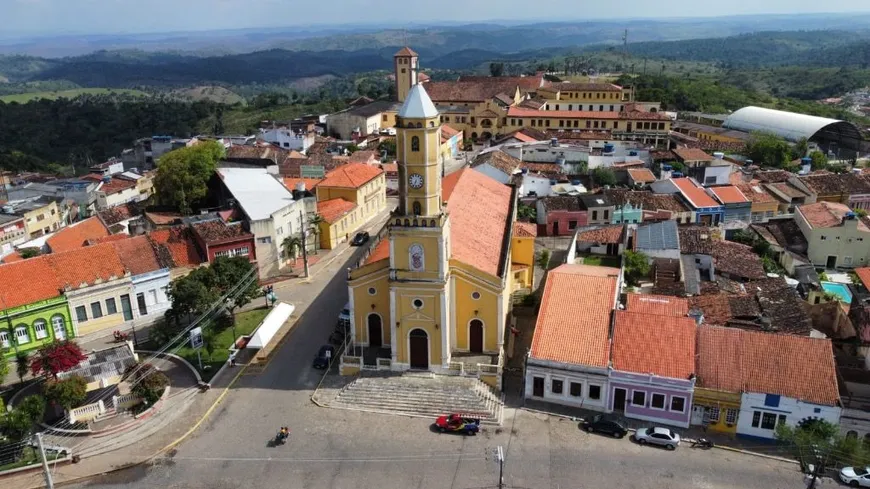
696 196
585 114
107 239
827 215
573 324
27 281
163 218
756 193
116 185
75 236
217 232
448 132
735 360
137 255
310 183
334 209
176 246
380 252
86 265
729 194
12 257
864 274
525 230
607 234
659 305
692 154
406 51
641 175
479 208
652 344
351 175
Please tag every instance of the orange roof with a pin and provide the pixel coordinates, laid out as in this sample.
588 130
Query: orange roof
108 239
479 207
864 274
310 183
585 114
696 196
334 209
642 175
574 320
692 154
86 265
448 131
525 230
75 236
406 51
351 175
729 194
12 257
652 344
177 244
828 215
736 360
380 252
608 234
27 281
755 192
138 255
658 305
390 168
159 218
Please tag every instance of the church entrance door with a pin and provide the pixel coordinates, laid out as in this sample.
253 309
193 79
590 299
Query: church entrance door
419 343
375 337
475 336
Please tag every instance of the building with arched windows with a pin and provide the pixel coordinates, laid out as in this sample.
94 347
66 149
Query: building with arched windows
434 292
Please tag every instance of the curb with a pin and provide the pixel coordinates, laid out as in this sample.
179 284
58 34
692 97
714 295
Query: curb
721 447
176 357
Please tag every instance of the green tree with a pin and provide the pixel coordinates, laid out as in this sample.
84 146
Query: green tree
314 223
22 364
388 145
183 174
4 368
18 424
496 69
290 246
543 260
636 266
192 294
68 393
604 176
148 382
230 272
526 212
29 252
800 148
819 160
767 149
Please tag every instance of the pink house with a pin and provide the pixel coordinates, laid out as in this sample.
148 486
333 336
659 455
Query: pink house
560 216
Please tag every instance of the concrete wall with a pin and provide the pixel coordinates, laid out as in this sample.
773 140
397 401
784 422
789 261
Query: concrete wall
594 398
779 409
652 385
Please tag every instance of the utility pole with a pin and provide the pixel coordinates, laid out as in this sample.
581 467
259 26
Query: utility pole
304 243
816 467
499 454
49 483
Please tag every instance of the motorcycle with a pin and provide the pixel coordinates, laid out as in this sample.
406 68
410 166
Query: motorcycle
702 443
120 336
281 438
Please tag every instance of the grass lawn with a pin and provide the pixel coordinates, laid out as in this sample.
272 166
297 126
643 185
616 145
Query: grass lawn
246 322
601 261
23 98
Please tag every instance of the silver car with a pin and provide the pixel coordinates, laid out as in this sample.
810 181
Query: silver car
657 436
856 476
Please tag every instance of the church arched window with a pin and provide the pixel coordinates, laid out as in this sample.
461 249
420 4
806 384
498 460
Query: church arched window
417 209
415 143
419 125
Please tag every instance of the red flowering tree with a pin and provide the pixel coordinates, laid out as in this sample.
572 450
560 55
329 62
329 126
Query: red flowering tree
55 358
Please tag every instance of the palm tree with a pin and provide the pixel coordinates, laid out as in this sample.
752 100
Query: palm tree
315 221
291 246
22 364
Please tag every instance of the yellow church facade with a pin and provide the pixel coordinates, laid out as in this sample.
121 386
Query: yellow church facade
435 292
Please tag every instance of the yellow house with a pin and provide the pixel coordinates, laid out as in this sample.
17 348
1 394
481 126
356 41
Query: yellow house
628 124
41 216
718 388
434 293
523 255
586 93
347 198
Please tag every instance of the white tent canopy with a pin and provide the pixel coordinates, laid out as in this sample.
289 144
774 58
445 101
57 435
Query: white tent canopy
276 318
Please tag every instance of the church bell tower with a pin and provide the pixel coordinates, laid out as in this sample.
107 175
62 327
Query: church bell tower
405 66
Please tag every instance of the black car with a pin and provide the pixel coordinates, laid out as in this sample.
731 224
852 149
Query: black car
360 238
324 356
600 424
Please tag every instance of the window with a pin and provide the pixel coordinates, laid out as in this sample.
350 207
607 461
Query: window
39 327
384 118
638 398
372 291
266 240
767 421
59 326
823 237
4 339
771 400
96 310
417 303
594 392
81 314
658 401
111 307
572 224
594 215
475 295
415 143
678 404
21 336
556 386
713 414
576 389
140 300
152 294
606 214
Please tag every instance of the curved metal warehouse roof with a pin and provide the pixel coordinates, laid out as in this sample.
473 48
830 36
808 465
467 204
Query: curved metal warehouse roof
788 125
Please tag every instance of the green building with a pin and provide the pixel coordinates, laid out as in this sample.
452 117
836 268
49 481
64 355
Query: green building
30 326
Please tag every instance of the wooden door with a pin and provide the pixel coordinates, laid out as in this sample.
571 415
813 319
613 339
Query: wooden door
475 336
375 336
419 343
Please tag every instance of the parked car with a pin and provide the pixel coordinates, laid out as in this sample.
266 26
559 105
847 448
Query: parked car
457 423
657 435
602 424
324 355
855 476
360 239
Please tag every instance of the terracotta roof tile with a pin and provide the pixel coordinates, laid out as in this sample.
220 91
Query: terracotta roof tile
334 209
12 257
86 265
500 160
756 193
827 215
658 305
735 360
310 183
864 274
606 234
832 183
163 218
107 239
639 341
116 185
641 175
380 252
573 324
406 51
648 200
351 175
114 215
365 156
27 281
716 308
176 245
729 194
525 230
737 260
549 169
448 131
137 255
773 176
692 154
216 232
695 195
561 203
479 208
787 189
75 236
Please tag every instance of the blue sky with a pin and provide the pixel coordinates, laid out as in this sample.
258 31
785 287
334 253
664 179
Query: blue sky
132 16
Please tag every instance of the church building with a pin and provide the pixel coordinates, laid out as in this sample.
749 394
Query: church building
435 292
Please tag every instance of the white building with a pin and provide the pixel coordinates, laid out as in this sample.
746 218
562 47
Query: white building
149 293
287 139
535 185
761 413
271 210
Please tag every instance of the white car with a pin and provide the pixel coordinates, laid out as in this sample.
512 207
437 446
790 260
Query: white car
657 436
856 476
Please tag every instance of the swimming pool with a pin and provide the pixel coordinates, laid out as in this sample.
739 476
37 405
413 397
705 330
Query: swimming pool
840 290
